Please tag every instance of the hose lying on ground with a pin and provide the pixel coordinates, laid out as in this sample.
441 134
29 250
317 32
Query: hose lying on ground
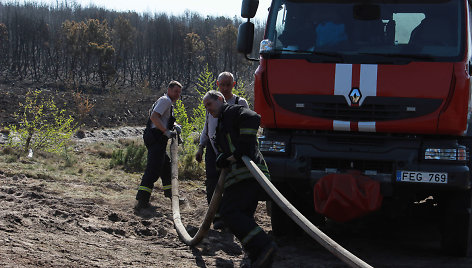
275 195
346 256
213 206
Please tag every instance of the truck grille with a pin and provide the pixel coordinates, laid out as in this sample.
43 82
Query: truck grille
335 107
385 167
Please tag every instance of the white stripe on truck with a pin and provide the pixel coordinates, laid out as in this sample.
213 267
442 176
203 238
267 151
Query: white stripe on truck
341 125
366 126
343 80
368 81
367 86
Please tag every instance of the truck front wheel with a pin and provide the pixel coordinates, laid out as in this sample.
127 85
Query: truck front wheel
456 233
282 224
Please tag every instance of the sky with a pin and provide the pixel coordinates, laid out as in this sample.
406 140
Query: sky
229 8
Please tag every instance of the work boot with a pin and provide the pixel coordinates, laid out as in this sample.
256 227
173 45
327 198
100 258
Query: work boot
142 204
265 257
143 198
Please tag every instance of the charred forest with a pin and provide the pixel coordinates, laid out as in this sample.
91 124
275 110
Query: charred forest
68 46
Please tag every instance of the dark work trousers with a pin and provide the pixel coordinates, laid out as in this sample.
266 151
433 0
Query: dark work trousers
158 165
212 174
238 206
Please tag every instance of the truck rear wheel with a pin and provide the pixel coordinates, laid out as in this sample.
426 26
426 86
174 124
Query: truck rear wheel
456 233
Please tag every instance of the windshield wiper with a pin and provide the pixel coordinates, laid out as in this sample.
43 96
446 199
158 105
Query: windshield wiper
400 56
332 55
314 54
292 51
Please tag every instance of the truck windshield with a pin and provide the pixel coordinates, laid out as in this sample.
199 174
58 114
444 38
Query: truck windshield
416 30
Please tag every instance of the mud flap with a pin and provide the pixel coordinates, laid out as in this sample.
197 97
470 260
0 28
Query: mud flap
344 197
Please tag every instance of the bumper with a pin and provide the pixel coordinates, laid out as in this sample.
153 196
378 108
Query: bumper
312 157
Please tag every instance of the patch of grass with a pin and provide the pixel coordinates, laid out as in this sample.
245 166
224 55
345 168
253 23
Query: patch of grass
46 155
132 159
70 161
128 141
51 168
12 159
189 168
90 176
11 151
102 150
84 179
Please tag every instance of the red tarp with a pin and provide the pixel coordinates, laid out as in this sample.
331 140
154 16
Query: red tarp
344 197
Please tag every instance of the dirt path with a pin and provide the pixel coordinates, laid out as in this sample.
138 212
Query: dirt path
39 227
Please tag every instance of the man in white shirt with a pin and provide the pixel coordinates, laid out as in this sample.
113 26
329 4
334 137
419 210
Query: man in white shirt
225 84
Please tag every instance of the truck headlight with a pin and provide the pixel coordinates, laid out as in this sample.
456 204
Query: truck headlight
451 154
272 146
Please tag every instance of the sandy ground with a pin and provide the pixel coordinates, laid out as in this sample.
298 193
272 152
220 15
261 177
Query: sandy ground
45 223
40 227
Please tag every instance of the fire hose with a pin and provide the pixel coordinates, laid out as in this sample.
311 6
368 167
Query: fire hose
333 247
212 207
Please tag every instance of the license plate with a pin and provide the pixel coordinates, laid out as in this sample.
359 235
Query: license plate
424 177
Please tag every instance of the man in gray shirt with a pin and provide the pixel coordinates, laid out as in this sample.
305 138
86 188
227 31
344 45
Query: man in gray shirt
225 84
159 129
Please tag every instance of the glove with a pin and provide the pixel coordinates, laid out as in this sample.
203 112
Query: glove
170 134
178 128
222 161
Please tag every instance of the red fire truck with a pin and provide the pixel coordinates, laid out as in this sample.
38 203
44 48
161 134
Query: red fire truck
377 86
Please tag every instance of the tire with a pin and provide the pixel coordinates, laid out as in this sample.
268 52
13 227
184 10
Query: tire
282 224
456 233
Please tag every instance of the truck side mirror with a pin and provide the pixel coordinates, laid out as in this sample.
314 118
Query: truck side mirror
245 37
249 8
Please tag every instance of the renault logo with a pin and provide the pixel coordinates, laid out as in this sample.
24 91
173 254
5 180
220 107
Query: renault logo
355 96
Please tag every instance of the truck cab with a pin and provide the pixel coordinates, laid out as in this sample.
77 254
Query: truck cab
381 87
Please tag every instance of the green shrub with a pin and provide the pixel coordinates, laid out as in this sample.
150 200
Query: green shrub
240 90
41 125
192 127
133 158
189 169
117 158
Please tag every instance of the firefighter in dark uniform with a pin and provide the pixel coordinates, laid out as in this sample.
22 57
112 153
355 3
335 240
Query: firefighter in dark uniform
235 137
159 129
